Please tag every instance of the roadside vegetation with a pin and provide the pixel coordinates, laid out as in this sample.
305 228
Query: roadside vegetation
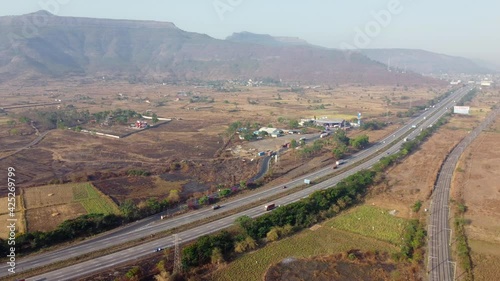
273 226
326 204
461 242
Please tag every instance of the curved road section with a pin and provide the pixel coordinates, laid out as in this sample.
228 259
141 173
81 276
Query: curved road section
439 264
153 224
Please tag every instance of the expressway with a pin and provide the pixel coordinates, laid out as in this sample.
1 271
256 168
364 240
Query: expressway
153 225
439 263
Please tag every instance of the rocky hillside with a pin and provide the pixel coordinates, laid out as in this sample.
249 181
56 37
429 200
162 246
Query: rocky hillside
61 47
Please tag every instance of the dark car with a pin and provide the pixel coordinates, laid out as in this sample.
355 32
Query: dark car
284 186
215 207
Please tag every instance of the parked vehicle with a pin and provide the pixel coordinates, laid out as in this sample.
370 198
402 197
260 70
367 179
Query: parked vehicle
269 207
324 135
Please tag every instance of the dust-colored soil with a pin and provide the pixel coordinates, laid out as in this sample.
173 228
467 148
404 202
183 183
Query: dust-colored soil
48 195
475 182
20 224
368 266
196 136
48 218
414 178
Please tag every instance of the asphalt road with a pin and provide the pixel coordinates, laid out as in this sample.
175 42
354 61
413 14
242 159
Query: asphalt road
153 225
439 266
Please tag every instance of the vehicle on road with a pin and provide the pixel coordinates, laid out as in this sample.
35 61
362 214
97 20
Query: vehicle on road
158 250
284 186
324 135
269 207
302 139
340 162
335 166
215 207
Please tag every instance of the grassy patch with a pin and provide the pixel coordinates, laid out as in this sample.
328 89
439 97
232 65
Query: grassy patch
93 202
371 222
326 240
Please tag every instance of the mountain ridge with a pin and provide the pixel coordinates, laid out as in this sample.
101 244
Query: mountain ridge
130 49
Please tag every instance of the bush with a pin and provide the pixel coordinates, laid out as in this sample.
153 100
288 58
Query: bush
416 207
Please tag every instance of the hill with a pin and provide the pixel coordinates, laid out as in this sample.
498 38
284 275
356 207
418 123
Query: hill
425 62
59 47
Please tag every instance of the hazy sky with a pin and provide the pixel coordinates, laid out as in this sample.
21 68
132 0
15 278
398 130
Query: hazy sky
464 28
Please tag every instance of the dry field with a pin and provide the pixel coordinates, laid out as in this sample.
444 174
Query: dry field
414 178
63 202
195 137
328 238
475 182
19 215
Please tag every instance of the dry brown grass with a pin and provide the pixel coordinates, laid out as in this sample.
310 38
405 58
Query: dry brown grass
475 183
48 218
48 195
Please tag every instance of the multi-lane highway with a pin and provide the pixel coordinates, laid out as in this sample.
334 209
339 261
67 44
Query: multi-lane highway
439 265
153 225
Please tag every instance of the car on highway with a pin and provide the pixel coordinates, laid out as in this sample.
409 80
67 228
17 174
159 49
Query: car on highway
158 250
215 207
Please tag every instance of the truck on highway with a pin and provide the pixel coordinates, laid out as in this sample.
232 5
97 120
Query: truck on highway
269 207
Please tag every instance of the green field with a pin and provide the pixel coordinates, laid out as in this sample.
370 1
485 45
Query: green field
326 240
93 202
371 222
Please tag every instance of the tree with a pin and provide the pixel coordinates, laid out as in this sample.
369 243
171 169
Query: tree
135 273
155 118
273 234
341 138
224 192
203 200
129 209
294 124
173 196
359 142
217 257
243 184
339 151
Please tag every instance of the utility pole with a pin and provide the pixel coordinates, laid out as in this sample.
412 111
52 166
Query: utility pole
177 255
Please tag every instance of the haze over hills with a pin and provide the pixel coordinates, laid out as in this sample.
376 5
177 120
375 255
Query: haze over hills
68 46
425 62
266 39
419 61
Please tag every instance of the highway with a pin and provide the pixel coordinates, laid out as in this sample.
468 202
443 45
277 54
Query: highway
439 265
153 225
